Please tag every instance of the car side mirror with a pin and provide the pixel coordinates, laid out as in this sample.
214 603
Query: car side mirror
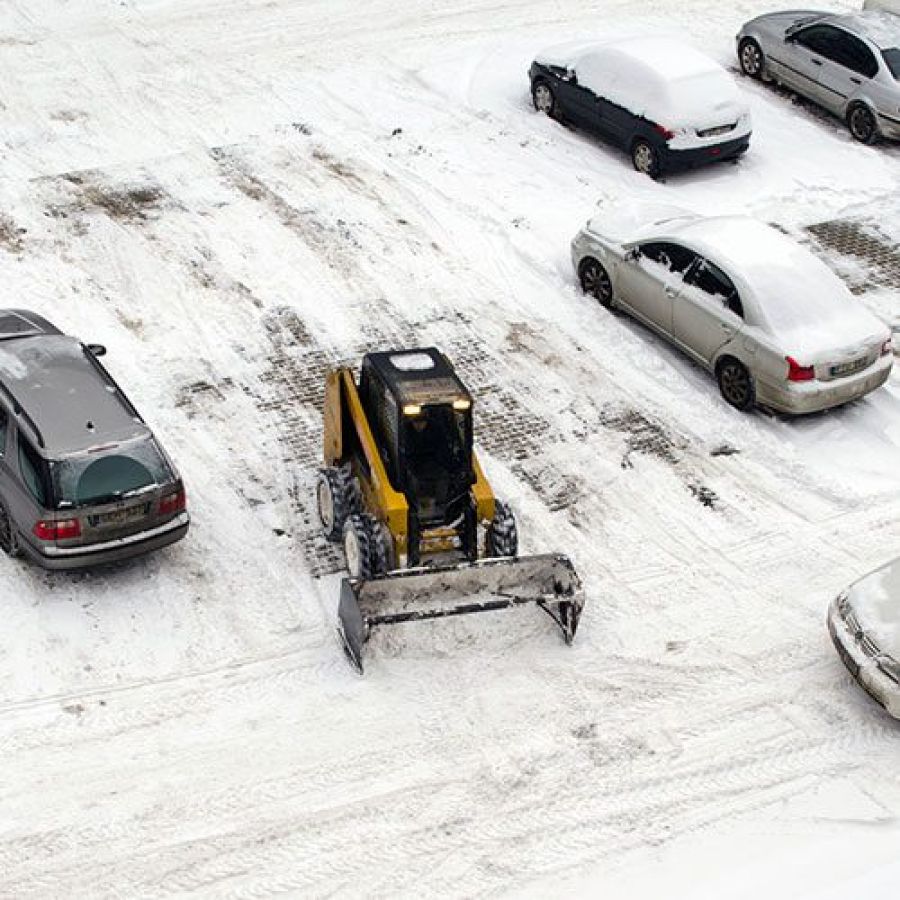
570 76
634 254
96 349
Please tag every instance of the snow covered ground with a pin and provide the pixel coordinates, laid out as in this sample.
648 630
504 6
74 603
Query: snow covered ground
233 194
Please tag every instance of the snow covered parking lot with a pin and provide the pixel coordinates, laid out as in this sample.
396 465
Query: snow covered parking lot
231 195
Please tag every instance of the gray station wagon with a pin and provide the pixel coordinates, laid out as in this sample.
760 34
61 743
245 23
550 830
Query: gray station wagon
83 481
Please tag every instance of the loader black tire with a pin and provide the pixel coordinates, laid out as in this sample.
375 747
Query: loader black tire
335 501
502 533
364 547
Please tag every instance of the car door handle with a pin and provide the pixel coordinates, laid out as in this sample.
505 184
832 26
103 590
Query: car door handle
817 62
671 292
856 80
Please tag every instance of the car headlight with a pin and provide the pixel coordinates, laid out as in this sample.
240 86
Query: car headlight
845 611
890 667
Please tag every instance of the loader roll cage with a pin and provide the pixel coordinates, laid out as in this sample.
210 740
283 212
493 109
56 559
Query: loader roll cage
421 418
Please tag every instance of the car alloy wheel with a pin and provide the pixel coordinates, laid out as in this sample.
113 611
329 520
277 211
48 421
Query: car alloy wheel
862 124
751 59
595 282
735 384
645 159
544 101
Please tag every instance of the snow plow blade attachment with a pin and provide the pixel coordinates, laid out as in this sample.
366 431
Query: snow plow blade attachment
414 595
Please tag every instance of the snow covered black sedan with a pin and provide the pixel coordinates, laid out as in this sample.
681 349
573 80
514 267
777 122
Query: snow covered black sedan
665 103
864 622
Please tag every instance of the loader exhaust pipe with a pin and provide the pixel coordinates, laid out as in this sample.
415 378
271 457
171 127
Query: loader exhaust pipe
414 595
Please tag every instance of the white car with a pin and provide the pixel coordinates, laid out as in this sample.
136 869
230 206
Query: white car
668 105
769 319
864 622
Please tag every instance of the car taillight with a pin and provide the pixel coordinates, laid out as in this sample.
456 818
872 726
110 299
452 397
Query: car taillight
887 347
666 133
796 372
57 531
173 503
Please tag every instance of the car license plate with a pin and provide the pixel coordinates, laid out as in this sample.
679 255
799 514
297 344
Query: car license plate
123 516
849 368
715 132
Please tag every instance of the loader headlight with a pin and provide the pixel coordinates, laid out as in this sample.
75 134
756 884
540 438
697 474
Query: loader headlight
461 405
412 409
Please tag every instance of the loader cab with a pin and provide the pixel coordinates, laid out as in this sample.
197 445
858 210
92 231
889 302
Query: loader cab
421 418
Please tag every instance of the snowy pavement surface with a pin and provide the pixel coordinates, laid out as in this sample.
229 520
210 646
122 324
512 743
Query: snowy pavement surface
232 195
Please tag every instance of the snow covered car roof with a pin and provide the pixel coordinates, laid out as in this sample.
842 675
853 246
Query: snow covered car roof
794 293
66 396
890 5
661 78
880 27
784 287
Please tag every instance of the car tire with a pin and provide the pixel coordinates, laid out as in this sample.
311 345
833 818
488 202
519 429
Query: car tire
363 547
9 541
736 384
502 533
595 281
645 158
544 99
862 123
751 59
335 501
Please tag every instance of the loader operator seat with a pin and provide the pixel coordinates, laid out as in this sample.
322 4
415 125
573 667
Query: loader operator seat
434 457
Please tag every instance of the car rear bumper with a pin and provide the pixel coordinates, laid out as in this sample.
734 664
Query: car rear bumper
864 668
699 156
83 557
814 396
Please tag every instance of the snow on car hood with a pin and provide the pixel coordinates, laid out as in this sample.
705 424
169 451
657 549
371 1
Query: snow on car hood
876 601
623 224
660 78
788 17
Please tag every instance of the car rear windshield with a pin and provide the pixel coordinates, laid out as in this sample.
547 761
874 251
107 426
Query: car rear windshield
109 474
892 58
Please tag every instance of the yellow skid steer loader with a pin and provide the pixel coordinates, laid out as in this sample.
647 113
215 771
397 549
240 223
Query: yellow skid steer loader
423 535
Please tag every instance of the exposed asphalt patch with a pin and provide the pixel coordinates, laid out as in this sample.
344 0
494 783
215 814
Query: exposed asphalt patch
90 191
642 435
11 235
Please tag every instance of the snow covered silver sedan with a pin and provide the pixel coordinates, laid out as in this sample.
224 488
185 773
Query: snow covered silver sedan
742 299
849 64
864 622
